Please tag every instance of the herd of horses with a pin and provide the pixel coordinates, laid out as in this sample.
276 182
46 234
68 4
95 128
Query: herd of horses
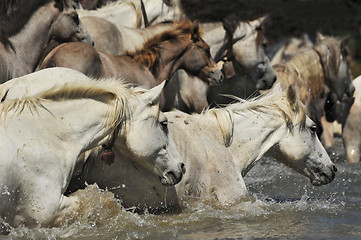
97 96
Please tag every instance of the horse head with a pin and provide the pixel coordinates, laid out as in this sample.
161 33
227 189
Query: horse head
333 55
250 55
300 148
67 25
146 135
198 60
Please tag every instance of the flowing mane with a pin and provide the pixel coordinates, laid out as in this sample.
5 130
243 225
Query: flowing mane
150 51
14 14
104 90
271 102
305 72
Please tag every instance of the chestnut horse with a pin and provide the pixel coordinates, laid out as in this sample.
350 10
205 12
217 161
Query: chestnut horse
178 48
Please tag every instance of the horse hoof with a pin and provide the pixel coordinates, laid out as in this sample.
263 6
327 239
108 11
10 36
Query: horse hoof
108 157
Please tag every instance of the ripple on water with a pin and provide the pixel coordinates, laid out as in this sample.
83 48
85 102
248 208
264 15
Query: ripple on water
282 205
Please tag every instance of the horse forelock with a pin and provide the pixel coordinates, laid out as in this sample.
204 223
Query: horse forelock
149 52
109 91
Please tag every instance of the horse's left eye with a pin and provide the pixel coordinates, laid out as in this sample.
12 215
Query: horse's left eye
313 128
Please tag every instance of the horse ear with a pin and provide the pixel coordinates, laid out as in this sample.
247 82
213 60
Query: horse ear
195 30
262 19
152 96
344 42
319 37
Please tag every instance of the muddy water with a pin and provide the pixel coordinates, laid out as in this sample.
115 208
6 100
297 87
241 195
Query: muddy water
284 205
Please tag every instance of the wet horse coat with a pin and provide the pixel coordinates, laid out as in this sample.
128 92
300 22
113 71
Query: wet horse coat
219 147
38 164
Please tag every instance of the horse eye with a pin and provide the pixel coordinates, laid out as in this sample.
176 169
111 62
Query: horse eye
313 128
164 125
264 45
75 17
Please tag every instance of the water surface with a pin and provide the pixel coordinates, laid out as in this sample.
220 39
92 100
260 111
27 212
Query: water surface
283 205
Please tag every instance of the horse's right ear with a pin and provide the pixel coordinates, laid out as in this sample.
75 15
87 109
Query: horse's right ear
152 95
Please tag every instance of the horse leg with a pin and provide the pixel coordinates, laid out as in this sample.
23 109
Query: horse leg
327 137
44 205
68 205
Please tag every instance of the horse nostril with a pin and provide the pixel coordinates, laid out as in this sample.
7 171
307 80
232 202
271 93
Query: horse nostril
274 80
183 167
334 168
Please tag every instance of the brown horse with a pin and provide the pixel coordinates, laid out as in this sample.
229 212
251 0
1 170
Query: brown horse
317 72
178 48
27 33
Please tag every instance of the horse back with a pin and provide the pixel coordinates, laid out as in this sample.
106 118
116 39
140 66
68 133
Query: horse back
75 55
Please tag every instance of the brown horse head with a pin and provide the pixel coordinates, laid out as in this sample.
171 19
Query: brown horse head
333 55
180 48
197 59
67 25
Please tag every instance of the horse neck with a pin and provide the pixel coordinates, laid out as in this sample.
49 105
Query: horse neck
119 13
30 42
254 133
169 59
214 36
77 134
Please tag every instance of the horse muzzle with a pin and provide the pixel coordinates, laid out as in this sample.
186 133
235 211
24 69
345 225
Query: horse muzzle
322 176
171 178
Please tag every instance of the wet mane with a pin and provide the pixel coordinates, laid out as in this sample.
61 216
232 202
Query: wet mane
14 14
274 101
149 53
104 90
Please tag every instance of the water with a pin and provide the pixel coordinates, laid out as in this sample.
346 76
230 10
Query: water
284 205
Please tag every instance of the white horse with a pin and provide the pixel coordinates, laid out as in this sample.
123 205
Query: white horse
351 133
45 132
219 147
128 13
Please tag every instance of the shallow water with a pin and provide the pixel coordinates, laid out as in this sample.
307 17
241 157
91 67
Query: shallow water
284 205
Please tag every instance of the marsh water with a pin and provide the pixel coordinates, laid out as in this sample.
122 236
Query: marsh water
283 205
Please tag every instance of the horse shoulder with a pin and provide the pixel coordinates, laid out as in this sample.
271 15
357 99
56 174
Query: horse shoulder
211 174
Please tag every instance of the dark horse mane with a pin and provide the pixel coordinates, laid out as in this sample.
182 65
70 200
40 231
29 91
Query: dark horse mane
14 14
149 53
